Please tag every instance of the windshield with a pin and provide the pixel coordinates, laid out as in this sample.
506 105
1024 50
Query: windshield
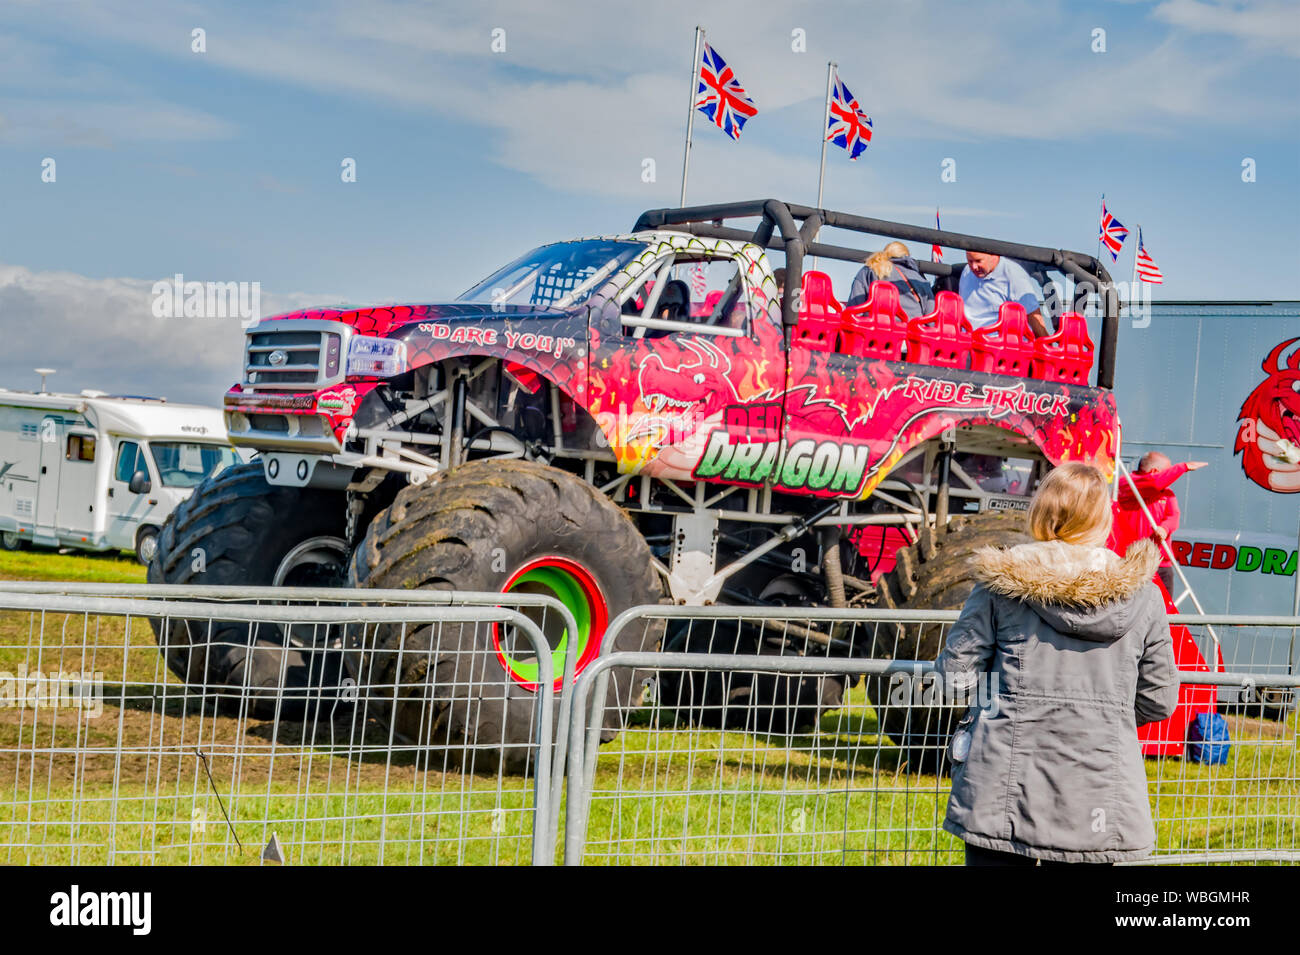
554 276
185 463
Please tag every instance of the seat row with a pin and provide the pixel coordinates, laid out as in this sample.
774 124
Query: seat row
879 328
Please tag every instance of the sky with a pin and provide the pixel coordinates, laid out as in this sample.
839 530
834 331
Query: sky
480 130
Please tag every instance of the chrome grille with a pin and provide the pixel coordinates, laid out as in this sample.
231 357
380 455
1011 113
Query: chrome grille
294 356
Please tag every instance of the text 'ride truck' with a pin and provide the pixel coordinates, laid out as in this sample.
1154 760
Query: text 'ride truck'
636 418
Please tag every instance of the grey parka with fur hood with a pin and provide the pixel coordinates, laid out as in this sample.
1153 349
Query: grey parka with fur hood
1074 643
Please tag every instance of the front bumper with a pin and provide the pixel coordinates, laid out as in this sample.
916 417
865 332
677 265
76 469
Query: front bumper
270 423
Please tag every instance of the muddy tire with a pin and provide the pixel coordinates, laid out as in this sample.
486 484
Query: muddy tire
492 526
238 529
935 573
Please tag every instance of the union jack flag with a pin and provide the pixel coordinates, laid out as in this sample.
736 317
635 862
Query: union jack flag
719 95
936 253
1147 270
848 126
1112 234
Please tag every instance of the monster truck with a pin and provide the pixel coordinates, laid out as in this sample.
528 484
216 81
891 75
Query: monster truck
638 418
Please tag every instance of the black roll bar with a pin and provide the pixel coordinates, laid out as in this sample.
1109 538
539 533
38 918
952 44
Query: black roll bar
1090 275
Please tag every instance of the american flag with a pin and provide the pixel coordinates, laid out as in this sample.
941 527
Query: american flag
719 95
936 253
848 126
1112 234
1147 270
699 280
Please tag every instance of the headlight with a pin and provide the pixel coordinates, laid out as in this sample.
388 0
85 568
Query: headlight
370 357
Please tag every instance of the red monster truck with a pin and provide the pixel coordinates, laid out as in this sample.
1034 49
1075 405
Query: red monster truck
640 417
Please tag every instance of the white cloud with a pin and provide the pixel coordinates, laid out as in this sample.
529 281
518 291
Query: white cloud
74 101
1264 24
104 124
580 98
101 333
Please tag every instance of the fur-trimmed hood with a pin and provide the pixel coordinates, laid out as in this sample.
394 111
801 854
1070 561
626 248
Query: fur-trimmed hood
1086 591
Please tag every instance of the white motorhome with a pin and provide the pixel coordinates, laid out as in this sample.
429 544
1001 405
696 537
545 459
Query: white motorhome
101 472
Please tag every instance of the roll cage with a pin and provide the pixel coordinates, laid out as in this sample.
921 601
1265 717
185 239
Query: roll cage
794 229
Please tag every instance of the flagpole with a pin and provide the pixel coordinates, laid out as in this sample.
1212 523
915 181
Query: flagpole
1132 289
826 121
1101 215
690 110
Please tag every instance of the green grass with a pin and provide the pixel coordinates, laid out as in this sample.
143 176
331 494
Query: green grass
662 794
690 796
34 564
477 826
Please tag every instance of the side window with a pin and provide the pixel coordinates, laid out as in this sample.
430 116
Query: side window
81 447
129 460
690 293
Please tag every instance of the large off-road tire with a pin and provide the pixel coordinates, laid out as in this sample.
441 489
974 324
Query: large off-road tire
238 529
765 703
496 525
935 573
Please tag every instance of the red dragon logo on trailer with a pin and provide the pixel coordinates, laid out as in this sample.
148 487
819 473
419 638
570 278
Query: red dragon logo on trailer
1268 432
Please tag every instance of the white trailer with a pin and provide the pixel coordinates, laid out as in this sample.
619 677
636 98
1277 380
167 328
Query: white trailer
101 472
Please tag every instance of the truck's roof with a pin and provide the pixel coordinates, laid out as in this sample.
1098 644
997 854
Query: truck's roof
143 417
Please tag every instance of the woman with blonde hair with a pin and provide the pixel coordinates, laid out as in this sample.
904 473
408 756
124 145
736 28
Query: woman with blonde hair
894 263
1070 647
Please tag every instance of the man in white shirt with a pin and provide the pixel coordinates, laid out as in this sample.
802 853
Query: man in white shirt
988 281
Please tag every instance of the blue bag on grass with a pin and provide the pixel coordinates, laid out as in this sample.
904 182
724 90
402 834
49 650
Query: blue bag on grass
1207 739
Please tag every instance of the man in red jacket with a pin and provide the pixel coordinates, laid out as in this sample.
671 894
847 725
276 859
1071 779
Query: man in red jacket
1154 475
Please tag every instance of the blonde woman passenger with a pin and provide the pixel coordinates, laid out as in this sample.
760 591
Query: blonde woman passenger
894 263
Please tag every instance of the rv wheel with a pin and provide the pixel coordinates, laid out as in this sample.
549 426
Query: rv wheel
146 544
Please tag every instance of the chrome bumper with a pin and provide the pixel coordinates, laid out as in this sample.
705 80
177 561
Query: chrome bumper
271 430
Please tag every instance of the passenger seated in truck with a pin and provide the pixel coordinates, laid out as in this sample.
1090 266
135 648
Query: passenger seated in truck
989 280
894 263
1040 275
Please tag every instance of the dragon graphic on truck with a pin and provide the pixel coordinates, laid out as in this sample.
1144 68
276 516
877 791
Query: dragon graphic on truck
726 408
745 405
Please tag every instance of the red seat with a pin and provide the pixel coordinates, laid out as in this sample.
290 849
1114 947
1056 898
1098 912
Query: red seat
819 313
1067 355
705 308
943 337
1007 346
878 327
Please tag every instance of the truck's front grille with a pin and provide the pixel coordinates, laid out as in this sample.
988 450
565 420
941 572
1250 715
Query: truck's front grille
293 358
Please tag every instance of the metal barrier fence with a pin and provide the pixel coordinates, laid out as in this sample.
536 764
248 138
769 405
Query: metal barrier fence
750 739
790 757
421 754
547 612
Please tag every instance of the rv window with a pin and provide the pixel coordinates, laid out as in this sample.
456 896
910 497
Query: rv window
81 447
129 460
182 464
